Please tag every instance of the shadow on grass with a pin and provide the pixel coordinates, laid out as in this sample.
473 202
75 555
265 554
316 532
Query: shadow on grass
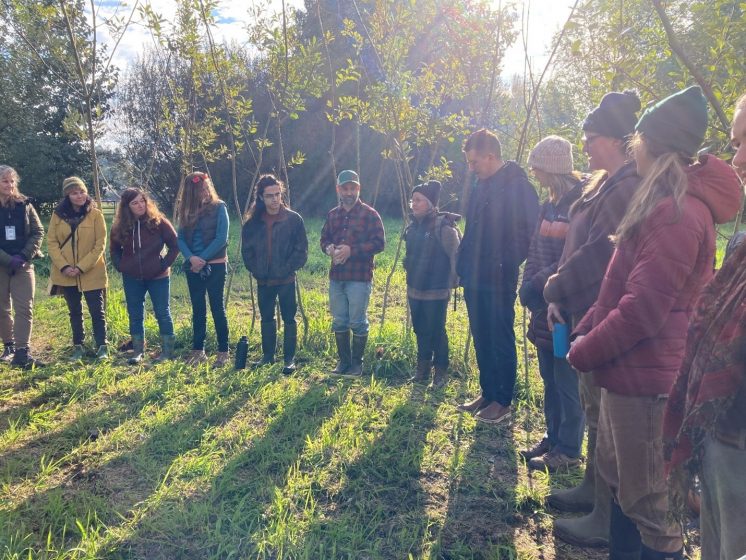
107 490
382 509
217 523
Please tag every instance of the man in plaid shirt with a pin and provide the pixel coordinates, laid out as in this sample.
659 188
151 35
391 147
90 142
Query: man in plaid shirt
352 234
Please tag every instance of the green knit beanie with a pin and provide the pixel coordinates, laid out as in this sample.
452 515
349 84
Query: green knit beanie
677 123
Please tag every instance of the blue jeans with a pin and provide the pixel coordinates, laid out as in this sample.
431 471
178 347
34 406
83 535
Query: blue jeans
572 419
348 303
160 295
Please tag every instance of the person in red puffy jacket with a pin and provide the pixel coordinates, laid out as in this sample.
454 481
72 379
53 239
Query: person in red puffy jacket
632 338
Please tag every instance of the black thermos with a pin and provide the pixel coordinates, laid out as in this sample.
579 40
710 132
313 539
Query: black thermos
242 352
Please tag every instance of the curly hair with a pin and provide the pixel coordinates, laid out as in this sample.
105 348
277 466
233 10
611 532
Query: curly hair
121 229
16 196
189 203
257 207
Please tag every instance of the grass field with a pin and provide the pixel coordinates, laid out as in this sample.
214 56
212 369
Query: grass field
114 461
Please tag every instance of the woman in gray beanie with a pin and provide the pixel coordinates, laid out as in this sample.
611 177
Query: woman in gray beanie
551 163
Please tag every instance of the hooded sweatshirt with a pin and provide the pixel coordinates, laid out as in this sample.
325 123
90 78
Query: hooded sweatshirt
635 332
138 254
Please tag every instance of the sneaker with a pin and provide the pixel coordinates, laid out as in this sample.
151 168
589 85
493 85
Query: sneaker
102 353
196 357
78 353
537 450
493 413
8 352
221 359
552 461
22 359
289 368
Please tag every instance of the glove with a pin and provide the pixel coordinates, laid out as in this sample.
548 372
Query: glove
17 262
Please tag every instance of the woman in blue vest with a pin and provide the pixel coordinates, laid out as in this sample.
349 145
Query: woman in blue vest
432 241
202 220
21 233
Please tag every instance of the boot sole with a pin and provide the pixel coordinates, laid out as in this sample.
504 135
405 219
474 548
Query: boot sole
569 538
494 421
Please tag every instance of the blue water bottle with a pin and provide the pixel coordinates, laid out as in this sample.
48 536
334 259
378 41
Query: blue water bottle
561 340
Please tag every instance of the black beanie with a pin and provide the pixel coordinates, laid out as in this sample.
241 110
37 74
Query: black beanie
615 116
430 190
678 123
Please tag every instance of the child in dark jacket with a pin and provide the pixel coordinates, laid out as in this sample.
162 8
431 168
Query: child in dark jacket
138 236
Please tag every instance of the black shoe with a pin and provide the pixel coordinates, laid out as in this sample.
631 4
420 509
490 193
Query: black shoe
265 361
537 450
624 537
289 368
22 359
7 355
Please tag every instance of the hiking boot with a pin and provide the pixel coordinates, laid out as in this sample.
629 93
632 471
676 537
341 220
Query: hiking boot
473 406
221 359
78 353
196 357
22 359
537 450
138 347
265 361
625 542
344 360
102 353
422 373
552 461
8 351
441 377
493 413
358 349
168 344
289 368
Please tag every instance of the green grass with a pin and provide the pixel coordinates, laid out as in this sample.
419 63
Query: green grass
168 462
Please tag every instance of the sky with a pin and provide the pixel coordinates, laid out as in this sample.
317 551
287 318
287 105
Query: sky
544 19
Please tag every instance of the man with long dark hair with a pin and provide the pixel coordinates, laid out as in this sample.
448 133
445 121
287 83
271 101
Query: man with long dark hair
274 247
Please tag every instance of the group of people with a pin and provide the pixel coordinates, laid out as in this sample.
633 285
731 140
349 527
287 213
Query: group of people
619 266
634 337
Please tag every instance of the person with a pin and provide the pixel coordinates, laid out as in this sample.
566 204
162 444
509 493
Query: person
500 219
632 338
704 424
551 162
274 247
202 221
76 241
352 234
572 290
430 262
20 244
138 236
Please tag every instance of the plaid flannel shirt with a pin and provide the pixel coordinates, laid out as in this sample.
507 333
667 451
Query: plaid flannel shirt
362 229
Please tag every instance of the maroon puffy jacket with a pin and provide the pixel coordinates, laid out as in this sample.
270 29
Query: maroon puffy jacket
635 332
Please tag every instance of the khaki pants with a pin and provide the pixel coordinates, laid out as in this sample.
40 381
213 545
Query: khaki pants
590 400
629 458
16 305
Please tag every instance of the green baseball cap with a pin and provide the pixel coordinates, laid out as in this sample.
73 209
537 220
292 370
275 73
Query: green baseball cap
348 176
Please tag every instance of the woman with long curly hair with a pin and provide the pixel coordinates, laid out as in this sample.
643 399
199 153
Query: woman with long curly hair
139 233
202 220
21 233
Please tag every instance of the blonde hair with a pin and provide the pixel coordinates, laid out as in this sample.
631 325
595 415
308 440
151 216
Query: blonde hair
16 195
189 202
666 177
560 185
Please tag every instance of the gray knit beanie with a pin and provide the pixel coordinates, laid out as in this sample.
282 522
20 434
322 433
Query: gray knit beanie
552 155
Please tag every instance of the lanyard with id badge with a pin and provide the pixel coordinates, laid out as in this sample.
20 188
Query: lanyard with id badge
10 233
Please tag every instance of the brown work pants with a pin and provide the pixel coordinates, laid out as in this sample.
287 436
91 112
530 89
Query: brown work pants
629 458
16 305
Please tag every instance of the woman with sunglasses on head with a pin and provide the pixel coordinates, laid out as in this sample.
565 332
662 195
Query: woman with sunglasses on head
138 237
76 241
202 220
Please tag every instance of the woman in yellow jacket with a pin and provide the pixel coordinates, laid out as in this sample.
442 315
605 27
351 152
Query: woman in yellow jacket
77 236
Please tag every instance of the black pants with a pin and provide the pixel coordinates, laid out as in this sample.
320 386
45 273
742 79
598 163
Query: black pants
213 287
285 293
491 317
429 322
95 301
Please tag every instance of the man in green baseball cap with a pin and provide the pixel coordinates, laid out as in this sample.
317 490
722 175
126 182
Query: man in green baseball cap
352 234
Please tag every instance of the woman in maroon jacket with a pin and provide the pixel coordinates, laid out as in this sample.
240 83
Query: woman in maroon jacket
632 339
137 238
